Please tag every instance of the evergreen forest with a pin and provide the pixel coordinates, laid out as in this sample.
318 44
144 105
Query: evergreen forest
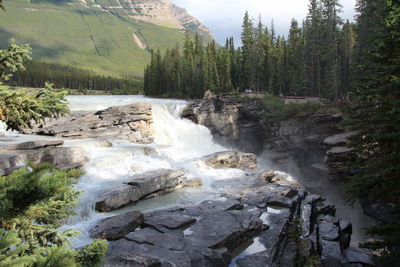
353 63
318 58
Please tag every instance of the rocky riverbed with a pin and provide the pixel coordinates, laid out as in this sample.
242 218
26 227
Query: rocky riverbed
241 215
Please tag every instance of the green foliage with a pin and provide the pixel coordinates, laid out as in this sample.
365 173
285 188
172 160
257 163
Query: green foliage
36 73
12 59
376 118
276 109
18 108
92 255
33 204
69 34
315 60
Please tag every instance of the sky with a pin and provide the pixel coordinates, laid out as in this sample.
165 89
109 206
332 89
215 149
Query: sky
224 17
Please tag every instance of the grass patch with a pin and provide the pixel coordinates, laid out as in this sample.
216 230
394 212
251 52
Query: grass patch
276 109
89 38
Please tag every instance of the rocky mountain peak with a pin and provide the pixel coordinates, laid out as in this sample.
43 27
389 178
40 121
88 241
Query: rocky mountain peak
160 12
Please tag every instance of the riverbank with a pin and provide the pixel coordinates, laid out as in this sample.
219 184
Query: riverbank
241 214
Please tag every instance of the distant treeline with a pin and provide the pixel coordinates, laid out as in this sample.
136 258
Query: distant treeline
37 73
315 60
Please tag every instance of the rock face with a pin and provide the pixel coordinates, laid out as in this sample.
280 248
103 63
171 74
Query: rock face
17 156
118 226
140 186
231 159
208 233
231 121
162 12
131 122
188 236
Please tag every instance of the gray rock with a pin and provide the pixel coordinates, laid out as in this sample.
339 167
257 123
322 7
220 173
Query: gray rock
152 237
274 178
338 139
272 194
380 211
194 182
154 181
118 198
231 159
138 187
224 229
116 227
212 206
273 238
61 157
346 229
359 255
337 159
260 259
232 121
332 254
167 221
150 151
33 145
131 122
125 253
329 228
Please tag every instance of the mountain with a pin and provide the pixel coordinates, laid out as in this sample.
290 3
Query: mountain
108 37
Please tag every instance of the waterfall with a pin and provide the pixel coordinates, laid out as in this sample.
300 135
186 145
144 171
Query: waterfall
179 143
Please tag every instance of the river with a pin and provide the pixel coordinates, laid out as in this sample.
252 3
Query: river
179 144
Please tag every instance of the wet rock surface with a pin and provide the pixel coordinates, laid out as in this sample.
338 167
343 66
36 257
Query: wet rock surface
232 121
118 226
18 155
172 237
231 159
140 186
131 122
287 223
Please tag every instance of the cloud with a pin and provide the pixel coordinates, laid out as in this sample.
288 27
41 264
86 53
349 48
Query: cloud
224 17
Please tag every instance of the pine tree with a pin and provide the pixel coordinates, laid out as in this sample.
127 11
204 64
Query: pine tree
347 57
376 119
294 68
330 65
32 205
247 70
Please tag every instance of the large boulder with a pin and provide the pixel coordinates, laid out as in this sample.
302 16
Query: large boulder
338 139
359 256
61 157
29 145
195 235
234 122
337 159
231 159
131 122
140 186
116 227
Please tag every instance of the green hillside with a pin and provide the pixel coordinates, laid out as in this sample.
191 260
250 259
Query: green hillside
68 33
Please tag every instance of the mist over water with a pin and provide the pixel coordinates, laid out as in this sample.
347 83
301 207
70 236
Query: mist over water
320 183
180 144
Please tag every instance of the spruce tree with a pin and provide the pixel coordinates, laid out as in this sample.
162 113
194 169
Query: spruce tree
376 118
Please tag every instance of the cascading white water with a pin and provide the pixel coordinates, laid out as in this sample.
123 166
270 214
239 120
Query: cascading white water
5 132
179 144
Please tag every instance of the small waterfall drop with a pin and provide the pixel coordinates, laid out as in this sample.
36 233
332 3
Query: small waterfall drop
179 143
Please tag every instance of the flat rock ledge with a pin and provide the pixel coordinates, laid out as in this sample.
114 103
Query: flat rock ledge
131 122
216 232
141 186
231 159
198 235
16 156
